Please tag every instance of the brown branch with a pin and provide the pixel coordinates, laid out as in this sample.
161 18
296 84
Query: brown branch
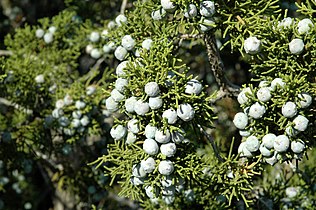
217 67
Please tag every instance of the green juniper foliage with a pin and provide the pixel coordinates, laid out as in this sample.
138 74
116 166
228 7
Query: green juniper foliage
138 104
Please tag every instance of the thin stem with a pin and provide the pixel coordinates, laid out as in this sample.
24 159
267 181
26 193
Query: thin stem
123 6
211 140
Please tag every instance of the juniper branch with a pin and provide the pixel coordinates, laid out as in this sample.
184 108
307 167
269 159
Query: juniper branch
217 67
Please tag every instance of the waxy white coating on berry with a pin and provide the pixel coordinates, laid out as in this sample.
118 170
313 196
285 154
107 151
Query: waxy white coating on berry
190 11
290 131
94 36
257 110
185 112
52 29
168 199
104 34
121 68
291 192
263 83
162 137
189 195
193 87
151 147
89 48
68 100
111 24
150 131
252 45
80 104
165 167
167 5
240 120
128 42
48 38
39 79
166 181
120 19
57 113
75 123
130 104
167 191
133 126
304 26
146 44
252 144
289 109
265 151
120 84
90 90
148 165
272 160
242 96
177 136
305 100
243 151
137 181
277 82
155 102
95 53
69 131
301 123
244 133
130 138
297 146
207 8
285 23
120 53
39 33
268 140
111 104
170 115
264 94
106 48
152 89
281 143
118 132
151 192
296 46
168 149
141 108
59 104
63 121
76 114
207 24
84 120
158 14
138 171
116 95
